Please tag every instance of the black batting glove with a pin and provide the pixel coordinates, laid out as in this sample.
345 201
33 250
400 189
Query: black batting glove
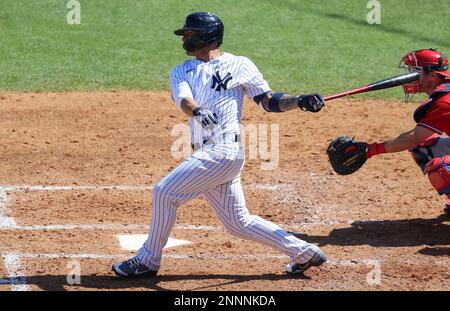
311 102
205 117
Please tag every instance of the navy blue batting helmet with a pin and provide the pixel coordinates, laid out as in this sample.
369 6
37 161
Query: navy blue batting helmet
207 28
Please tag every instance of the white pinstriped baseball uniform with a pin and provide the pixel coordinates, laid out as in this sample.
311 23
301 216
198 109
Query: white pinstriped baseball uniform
214 169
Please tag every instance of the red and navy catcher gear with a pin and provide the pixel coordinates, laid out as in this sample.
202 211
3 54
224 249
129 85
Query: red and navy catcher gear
437 168
206 27
422 110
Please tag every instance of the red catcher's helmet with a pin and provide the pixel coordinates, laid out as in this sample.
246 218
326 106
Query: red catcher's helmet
423 60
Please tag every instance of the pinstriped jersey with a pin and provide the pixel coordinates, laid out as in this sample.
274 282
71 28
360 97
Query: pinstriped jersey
219 86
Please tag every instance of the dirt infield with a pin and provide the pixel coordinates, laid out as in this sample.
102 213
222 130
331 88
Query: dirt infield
77 170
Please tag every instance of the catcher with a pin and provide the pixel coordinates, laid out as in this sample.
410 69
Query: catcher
430 151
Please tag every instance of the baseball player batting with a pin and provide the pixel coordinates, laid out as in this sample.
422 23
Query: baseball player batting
210 88
430 152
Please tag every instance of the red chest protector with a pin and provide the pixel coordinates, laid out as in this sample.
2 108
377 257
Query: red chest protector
440 91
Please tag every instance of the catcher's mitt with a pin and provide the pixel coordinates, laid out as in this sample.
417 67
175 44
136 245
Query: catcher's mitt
346 155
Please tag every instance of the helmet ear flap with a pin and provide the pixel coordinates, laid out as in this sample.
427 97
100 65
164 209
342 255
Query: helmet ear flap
215 35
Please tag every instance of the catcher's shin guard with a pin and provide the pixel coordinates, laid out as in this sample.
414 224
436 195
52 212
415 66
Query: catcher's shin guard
446 209
438 170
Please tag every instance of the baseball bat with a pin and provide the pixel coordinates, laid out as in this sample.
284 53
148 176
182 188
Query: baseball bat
379 85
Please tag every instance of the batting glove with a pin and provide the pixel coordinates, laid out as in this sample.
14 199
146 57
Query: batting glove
205 117
311 102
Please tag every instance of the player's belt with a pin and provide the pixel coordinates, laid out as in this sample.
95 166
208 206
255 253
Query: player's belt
226 138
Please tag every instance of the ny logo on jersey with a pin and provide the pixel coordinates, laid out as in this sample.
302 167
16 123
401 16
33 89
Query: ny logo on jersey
219 83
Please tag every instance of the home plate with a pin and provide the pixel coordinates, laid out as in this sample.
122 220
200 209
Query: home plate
133 242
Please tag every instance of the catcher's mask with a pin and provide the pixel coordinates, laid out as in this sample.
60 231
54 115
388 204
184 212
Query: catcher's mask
203 28
425 60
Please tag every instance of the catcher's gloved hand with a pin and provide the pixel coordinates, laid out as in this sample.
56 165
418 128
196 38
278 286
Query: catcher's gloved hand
346 155
205 117
311 102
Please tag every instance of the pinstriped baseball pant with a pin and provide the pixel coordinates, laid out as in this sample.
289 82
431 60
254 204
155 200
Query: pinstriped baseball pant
218 179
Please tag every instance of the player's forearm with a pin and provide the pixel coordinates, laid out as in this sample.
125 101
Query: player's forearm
403 142
188 105
287 102
281 102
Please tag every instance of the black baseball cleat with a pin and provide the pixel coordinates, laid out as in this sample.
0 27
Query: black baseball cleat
446 209
318 259
132 268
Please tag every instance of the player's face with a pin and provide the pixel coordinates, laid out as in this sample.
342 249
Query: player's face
187 35
428 81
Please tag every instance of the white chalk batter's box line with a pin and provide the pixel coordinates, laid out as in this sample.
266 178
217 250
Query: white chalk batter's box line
214 256
8 223
145 227
24 187
222 256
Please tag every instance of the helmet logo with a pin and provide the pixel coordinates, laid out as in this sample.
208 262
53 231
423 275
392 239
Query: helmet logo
220 83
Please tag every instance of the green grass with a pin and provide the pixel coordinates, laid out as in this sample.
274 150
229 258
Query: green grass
299 46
